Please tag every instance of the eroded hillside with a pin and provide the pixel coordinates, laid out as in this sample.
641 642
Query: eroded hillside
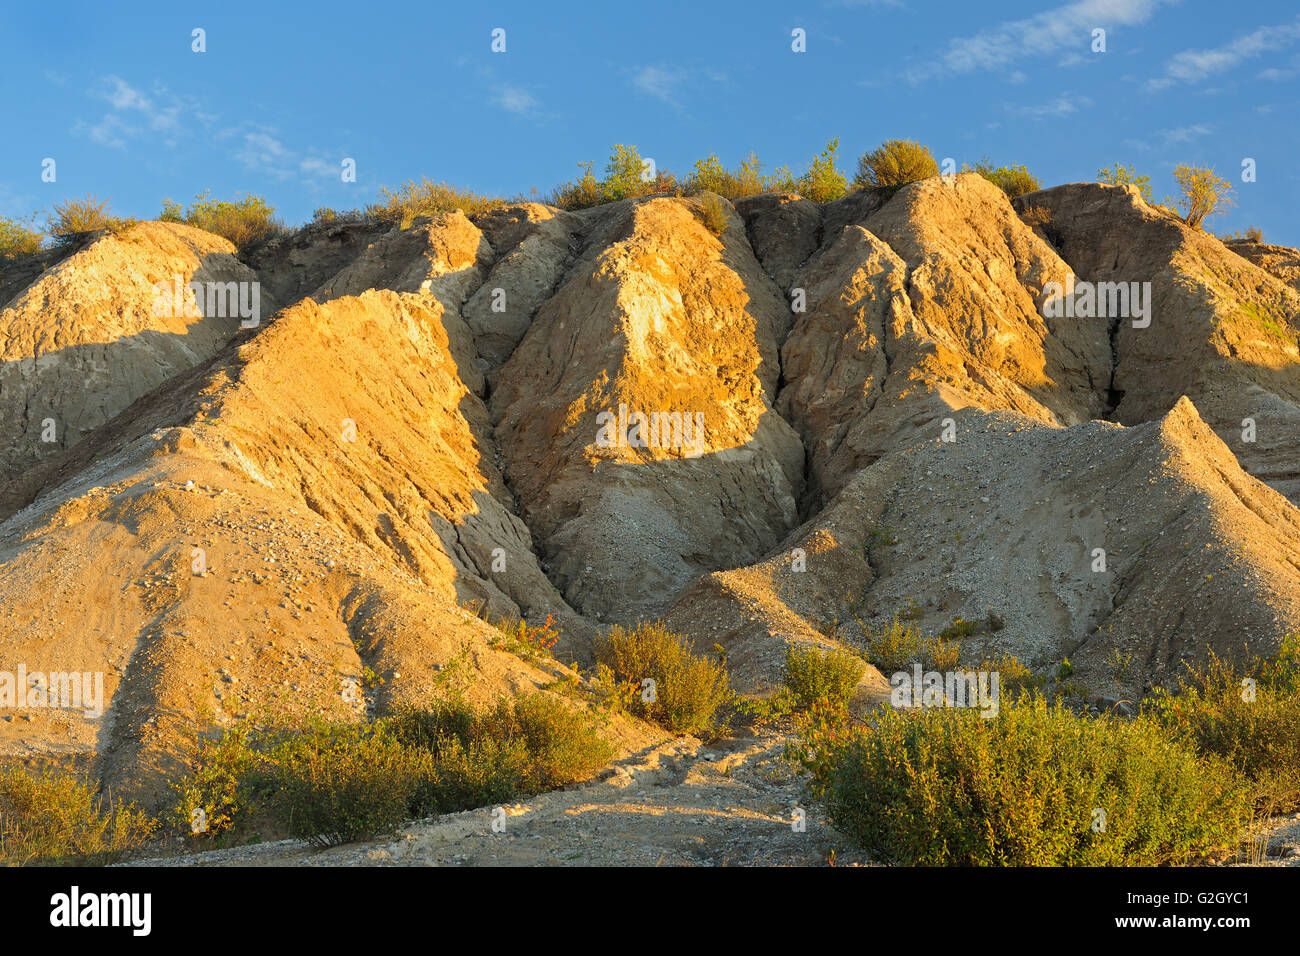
785 432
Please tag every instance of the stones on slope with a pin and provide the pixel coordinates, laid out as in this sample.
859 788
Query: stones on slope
1149 542
84 341
928 304
1222 331
664 319
1281 262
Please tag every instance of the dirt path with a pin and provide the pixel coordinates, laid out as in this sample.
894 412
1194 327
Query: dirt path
679 804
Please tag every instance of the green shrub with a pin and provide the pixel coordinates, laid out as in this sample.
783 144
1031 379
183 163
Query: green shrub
338 783
529 641
686 690
331 783
713 213
481 757
709 175
242 221
623 174
212 800
583 193
75 217
53 818
1028 787
18 239
895 162
1013 675
1213 711
1012 180
940 654
622 180
894 646
817 676
1119 175
1204 193
823 182
412 200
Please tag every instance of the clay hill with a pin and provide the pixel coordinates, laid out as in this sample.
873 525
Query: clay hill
786 432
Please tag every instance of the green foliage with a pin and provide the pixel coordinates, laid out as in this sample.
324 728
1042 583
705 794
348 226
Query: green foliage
338 783
331 783
585 192
1013 675
242 221
940 653
215 797
1119 175
53 818
709 175
517 748
1204 193
529 641
713 213
75 217
17 238
817 676
895 162
894 646
411 201
823 182
959 628
623 174
687 690
1023 788
1064 670
623 180
1012 180
1255 728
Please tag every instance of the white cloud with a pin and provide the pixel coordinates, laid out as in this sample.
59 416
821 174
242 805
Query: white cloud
1068 26
1183 134
160 111
1191 66
515 100
1062 106
658 82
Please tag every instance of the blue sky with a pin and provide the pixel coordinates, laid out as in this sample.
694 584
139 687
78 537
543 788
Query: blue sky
285 92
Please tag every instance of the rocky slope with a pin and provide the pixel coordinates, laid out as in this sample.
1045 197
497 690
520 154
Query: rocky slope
787 432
